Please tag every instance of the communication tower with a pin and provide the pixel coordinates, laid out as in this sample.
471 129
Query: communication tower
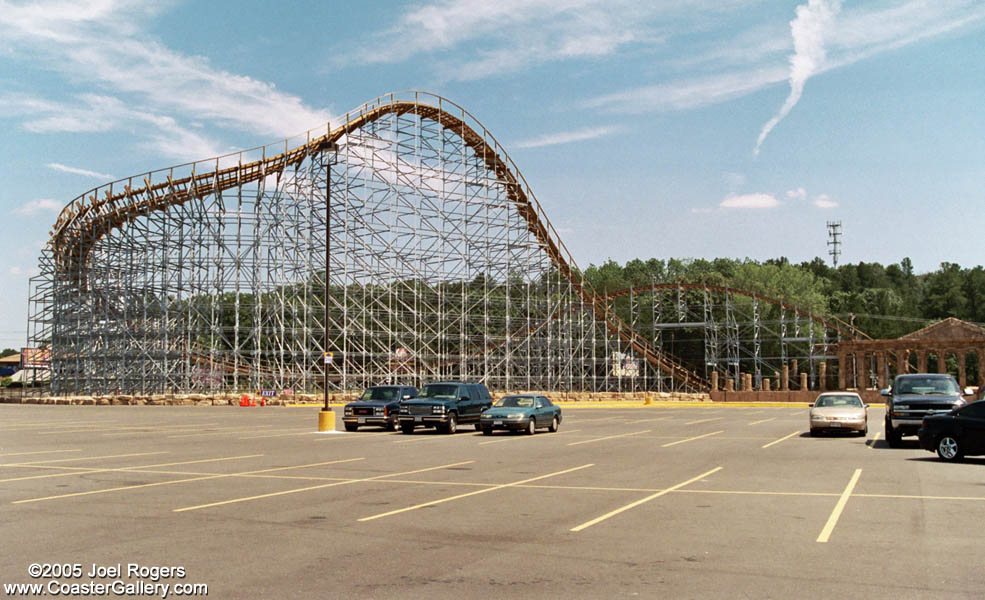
834 241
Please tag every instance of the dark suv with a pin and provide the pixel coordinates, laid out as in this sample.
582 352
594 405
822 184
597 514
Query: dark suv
444 405
378 405
915 396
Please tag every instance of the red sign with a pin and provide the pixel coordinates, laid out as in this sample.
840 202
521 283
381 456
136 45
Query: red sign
35 358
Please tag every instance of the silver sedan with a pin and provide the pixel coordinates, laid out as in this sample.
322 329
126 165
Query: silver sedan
839 411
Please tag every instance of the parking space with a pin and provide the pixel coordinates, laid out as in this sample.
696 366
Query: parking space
674 500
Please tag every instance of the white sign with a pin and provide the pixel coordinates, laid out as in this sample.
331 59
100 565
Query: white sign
328 358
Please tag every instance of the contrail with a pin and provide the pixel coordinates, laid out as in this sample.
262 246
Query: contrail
808 30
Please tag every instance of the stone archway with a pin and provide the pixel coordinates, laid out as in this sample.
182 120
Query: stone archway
864 364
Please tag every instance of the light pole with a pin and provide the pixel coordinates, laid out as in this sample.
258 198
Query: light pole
326 419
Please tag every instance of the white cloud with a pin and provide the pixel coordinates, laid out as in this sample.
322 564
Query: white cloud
759 57
693 92
37 206
809 31
797 194
473 39
701 211
749 201
78 171
823 201
102 43
15 271
567 137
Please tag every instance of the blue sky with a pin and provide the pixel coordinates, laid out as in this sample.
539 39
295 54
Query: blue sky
684 128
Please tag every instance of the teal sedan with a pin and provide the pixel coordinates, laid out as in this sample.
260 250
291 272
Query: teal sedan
522 412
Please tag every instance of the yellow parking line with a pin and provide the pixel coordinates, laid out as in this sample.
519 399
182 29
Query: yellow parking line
609 437
525 437
874 439
691 439
611 514
49 424
220 431
839 507
317 487
635 421
475 493
44 462
174 481
763 421
126 429
350 436
40 452
786 437
704 420
296 432
84 471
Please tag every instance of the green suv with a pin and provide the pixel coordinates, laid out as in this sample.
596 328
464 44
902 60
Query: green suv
444 405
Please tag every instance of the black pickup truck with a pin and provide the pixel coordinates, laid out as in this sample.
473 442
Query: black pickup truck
444 405
915 396
378 405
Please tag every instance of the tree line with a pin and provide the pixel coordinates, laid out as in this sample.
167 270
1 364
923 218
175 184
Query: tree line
883 301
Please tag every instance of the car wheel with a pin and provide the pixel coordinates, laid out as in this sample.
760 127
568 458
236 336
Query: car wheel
351 427
531 426
949 449
554 425
407 428
452 425
893 437
487 431
478 427
392 425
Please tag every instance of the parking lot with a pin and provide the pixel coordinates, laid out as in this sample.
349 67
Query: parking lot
678 501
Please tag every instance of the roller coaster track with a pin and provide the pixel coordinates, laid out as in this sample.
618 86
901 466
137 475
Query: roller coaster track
87 220
833 323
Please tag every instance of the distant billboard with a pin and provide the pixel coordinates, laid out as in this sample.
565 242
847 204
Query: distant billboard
35 358
624 365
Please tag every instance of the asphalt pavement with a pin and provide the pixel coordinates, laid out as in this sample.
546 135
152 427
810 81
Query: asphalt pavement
678 501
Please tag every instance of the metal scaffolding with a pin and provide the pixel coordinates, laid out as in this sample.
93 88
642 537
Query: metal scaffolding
212 276
717 329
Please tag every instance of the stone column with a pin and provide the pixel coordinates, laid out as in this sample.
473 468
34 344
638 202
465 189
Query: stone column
901 362
842 370
962 377
822 376
941 361
729 385
863 367
881 369
766 384
785 379
981 367
803 382
714 381
922 361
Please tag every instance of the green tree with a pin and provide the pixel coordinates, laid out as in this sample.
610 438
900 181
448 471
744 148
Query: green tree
945 296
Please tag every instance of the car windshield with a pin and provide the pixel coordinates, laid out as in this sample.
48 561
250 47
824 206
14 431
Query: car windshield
379 393
928 386
825 401
439 390
515 402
